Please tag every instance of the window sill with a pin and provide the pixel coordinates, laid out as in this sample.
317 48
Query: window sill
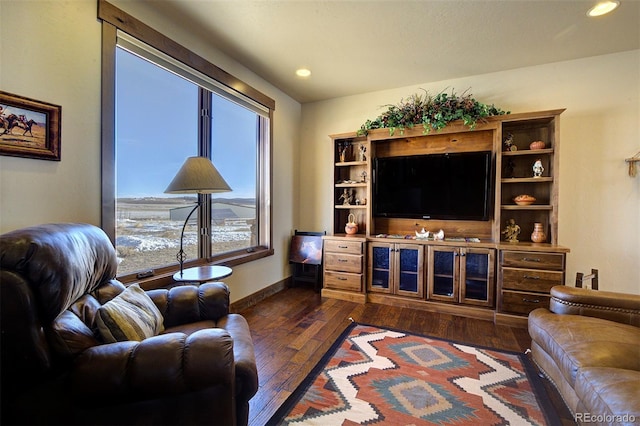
163 277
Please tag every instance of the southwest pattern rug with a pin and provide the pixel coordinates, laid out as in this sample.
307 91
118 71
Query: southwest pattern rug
377 376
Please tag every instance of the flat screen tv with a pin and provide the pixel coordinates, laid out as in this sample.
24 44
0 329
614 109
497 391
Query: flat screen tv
456 186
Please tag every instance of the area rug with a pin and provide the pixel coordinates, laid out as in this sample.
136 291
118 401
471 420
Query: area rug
377 376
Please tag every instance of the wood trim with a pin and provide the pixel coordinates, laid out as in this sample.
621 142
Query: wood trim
259 296
432 306
108 139
127 23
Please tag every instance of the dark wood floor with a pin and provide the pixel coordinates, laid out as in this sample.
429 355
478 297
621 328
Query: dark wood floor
292 330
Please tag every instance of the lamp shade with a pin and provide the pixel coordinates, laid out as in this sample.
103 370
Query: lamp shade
197 175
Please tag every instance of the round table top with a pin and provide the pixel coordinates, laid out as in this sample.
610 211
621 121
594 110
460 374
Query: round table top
203 274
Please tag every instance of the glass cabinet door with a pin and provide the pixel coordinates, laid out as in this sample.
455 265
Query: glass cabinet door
410 270
380 270
443 273
477 277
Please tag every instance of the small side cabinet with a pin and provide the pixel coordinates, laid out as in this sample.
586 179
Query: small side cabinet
461 275
396 269
525 279
344 268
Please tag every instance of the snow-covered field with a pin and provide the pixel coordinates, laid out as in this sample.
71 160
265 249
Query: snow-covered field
147 238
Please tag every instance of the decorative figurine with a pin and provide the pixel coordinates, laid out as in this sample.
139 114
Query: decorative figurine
363 149
343 153
537 168
364 176
511 232
507 144
346 197
422 235
439 236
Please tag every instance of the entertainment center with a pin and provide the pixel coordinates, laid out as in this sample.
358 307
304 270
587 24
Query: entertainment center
403 188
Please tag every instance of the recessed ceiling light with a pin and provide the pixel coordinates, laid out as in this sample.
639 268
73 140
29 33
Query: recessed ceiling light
603 8
303 72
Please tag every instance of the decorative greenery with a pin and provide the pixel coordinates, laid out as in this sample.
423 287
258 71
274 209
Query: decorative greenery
432 112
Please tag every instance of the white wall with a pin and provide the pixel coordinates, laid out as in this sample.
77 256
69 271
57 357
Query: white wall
599 213
50 51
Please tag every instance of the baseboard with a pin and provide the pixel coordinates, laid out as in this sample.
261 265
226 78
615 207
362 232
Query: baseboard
257 297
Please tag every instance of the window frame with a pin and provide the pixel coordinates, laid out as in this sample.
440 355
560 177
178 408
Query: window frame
114 19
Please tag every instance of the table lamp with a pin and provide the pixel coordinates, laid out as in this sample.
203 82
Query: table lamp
197 175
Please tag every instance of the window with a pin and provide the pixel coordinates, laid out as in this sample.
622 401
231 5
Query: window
163 112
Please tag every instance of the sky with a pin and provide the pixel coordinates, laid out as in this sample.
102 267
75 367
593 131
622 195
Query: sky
157 129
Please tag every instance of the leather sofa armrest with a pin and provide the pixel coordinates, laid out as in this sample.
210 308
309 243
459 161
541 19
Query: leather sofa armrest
188 304
618 307
167 364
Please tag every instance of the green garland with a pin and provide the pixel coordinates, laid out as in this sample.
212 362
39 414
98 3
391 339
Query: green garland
432 112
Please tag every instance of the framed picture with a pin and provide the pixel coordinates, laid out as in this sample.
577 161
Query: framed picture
29 128
306 249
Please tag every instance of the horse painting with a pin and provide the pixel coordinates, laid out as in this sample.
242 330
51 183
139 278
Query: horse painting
7 124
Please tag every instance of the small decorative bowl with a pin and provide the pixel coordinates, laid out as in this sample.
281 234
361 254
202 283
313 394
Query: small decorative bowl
537 145
524 200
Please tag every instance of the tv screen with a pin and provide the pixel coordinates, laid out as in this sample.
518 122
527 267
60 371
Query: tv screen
455 186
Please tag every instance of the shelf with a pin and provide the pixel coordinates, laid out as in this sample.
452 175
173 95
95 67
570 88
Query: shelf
529 207
350 206
351 163
527 180
352 185
527 152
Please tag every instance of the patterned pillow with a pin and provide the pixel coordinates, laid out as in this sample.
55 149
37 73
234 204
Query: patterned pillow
131 315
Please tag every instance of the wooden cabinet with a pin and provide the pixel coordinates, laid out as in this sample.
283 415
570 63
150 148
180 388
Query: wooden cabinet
457 275
525 279
396 269
461 275
351 182
344 268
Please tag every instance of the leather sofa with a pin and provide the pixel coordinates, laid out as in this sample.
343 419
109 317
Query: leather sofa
57 368
588 346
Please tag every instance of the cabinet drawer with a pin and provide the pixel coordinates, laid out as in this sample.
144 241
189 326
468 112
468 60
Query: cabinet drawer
343 281
343 262
530 279
523 303
341 246
532 260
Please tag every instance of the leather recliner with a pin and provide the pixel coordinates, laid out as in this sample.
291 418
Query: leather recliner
57 369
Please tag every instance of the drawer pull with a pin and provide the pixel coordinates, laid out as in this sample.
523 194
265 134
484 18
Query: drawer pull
342 260
341 278
531 277
531 259
524 299
343 246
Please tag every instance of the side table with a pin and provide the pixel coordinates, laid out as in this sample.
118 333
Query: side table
201 274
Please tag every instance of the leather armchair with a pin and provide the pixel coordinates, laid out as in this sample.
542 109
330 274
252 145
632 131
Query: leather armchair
57 369
588 345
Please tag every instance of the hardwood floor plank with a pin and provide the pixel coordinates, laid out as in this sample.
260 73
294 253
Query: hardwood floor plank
294 328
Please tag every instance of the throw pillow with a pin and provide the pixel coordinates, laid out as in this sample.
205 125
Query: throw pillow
131 315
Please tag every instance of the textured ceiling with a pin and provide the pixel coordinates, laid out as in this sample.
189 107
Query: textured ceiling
361 46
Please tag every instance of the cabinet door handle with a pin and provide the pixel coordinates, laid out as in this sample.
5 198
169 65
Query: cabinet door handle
531 259
524 299
531 277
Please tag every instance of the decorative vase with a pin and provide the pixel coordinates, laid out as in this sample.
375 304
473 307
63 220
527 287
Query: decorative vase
351 227
538 235
537 145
